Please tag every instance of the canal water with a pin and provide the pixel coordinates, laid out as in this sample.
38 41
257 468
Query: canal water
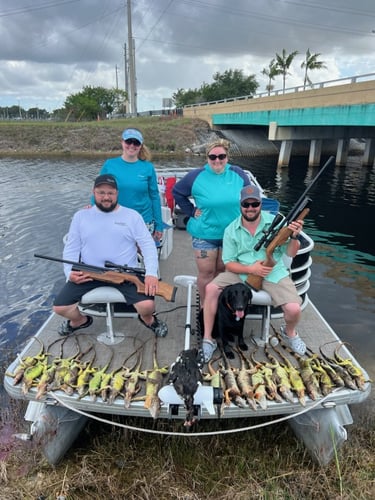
39 197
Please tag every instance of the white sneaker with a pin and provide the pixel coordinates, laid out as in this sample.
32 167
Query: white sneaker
208 347
295 343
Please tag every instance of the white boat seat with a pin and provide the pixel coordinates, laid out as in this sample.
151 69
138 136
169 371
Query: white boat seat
109 302
263 299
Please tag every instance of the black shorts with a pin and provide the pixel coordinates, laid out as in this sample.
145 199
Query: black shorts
72 293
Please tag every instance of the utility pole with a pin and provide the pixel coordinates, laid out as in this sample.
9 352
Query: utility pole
117 96
131 48
126 78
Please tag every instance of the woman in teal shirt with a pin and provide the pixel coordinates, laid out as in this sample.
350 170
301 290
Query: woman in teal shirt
137 180
215 189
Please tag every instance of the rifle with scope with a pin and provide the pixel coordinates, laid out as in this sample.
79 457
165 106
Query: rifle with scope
114 273
278 233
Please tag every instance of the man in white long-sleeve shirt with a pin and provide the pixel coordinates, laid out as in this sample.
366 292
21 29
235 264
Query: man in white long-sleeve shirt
108 232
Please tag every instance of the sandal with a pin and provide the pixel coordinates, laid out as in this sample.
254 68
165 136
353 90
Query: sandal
208 347
295 343
67 329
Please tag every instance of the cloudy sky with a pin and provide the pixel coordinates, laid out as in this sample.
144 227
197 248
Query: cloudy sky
53 48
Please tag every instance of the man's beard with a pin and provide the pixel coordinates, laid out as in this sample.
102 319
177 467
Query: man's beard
110 208
253 218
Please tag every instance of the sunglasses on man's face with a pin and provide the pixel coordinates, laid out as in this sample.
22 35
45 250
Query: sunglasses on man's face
132 142
221 156
253 204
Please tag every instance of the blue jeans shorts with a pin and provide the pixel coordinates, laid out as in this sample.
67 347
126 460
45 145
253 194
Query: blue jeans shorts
199 244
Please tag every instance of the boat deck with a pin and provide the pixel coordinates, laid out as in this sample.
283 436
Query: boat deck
139 345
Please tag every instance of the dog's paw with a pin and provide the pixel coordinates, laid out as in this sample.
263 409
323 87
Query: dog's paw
228 352
243 347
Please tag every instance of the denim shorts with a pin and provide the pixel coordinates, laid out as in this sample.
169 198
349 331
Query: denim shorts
199 244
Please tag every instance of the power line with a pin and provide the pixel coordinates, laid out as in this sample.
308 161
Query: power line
47 5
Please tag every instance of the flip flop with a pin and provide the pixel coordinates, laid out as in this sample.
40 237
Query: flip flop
67 329
208 347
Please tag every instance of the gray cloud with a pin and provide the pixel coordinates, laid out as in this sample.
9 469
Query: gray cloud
52 48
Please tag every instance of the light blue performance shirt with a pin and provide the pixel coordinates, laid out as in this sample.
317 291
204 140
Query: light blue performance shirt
238 246
138 187
95 236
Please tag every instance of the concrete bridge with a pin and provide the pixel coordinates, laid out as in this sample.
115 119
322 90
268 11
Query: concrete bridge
327 115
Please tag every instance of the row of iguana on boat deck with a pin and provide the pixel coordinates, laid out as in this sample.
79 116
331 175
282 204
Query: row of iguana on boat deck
253 384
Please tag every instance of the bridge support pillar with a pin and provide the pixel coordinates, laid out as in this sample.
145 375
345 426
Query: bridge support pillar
285 152
315 152
342 152
369 154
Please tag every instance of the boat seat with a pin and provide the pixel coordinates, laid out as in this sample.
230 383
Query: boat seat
261 307
108 302
263 300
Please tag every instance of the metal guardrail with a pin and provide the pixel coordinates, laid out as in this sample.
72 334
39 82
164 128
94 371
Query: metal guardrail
154 112
299 88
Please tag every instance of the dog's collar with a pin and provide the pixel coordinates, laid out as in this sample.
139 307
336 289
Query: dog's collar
230 307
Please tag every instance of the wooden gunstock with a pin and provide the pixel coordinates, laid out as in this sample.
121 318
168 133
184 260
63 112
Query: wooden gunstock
165 290
281 237
254 281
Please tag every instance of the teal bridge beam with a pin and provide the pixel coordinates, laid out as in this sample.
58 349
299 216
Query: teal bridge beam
316 124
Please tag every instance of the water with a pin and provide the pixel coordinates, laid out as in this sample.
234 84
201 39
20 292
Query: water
39 197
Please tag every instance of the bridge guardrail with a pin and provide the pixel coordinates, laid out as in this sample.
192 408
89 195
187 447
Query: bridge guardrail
299 88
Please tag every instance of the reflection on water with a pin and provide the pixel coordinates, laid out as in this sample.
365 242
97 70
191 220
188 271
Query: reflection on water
39 198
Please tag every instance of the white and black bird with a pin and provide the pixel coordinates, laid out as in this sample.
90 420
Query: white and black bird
185 374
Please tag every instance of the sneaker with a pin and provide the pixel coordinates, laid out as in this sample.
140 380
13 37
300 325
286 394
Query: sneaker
160 328
208 347
295 343
67 329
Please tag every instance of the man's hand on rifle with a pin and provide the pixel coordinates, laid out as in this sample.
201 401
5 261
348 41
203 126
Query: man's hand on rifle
151 285
294 243
296 227
259 269
79 277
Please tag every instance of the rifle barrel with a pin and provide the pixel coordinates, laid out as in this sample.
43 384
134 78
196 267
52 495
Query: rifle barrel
77 265
280 221
328 162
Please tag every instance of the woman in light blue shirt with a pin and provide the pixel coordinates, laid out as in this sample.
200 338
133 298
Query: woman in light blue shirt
137 180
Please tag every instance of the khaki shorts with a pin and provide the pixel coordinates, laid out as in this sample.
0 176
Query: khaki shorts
283 292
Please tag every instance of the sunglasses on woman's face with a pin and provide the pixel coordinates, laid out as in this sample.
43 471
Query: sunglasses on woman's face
132 142
221 156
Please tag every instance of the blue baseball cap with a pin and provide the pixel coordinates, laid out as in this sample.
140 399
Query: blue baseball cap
132 133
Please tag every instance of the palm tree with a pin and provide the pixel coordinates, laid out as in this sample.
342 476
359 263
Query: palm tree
311 62
270 73
283 63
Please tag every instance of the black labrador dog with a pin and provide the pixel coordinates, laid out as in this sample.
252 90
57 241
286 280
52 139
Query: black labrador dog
230 316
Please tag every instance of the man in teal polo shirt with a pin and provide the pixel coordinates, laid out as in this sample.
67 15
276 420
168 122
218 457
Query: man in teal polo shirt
240 259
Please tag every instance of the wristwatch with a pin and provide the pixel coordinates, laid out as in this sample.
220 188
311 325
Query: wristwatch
293 237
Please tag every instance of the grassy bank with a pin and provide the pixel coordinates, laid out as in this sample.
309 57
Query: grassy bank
163 135
268 463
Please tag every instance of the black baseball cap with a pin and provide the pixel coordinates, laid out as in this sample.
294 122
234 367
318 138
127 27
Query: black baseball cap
106 179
